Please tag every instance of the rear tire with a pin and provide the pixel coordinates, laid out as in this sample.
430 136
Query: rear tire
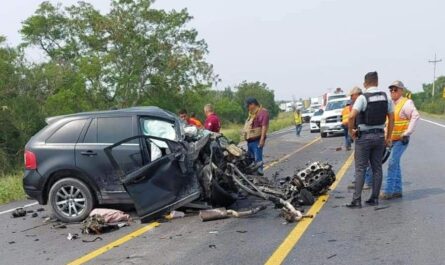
71 200
324 135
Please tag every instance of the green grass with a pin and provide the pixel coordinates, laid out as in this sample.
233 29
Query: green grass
284 120
11 188
430 115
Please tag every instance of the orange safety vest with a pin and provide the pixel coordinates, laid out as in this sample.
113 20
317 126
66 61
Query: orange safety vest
345 115
400 125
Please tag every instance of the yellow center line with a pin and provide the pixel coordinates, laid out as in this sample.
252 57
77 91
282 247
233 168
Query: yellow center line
294 236
150 226
113 244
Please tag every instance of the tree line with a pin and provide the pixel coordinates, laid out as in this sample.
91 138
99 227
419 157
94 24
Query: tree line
425 100
134 55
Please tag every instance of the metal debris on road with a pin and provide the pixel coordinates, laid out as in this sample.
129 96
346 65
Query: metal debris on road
175 215
72 236
34 215
59 226
241 231
19 212
96 225
330 257
222 213
381 207
93 240
212 246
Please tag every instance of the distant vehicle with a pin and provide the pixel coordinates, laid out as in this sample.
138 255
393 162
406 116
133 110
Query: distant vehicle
330 122
315 121
307 114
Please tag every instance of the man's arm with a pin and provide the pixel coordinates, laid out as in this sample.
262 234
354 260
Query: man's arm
264 129
390 127
351 123
411 112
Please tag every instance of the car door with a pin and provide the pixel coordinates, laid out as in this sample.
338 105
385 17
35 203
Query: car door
103 131
164 183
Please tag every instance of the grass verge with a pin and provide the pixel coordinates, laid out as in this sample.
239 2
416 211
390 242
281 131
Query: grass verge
283 120
11 188
430 115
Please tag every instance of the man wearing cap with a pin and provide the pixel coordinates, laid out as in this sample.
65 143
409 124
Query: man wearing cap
368 115
255 130
405 119
354 93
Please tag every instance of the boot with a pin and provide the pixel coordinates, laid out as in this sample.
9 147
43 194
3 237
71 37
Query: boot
355 203
372 201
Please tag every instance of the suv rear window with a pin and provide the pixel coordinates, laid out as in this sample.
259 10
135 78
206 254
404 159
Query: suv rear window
113 129
68 133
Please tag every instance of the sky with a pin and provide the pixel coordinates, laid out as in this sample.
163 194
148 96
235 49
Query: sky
300 48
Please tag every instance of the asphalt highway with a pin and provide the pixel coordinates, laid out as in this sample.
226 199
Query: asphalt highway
403 231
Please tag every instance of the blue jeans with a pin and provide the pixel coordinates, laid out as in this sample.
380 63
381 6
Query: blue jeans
255 151
348 139
368 176
298 128
393 181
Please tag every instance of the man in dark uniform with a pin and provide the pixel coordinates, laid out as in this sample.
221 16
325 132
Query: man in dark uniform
368 115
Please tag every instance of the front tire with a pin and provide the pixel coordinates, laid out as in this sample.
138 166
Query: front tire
71 200
324 135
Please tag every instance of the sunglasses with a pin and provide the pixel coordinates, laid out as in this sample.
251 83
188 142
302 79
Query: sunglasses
393 89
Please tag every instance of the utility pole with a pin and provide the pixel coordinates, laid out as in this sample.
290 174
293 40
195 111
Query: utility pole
435 61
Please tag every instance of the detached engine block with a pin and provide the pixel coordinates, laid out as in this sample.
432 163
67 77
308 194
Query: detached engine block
317 178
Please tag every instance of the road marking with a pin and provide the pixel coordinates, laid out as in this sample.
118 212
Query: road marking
294 236
114 244
271 164
25 206
433 122
150 226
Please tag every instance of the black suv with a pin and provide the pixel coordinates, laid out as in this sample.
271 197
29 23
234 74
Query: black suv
67 167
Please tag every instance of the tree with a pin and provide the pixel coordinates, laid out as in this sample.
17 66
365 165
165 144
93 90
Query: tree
261 92
133 55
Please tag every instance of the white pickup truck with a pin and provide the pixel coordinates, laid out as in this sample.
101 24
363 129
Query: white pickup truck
330 122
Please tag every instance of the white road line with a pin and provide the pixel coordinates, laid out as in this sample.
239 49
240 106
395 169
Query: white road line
25 206
433 122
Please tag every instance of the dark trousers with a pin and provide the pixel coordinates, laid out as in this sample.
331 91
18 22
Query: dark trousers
368 152
298 128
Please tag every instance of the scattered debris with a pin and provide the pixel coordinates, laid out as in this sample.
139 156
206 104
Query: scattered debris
40 209
36 239
241 231
111 215
34 215
29 211
11 242
96 224
339 197
331 256
19 212
332 240
381 207
93 240
72 236
222 213
212 246
213 232
175 215
59 226
338 149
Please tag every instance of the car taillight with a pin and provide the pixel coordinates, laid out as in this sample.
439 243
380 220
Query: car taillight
30 160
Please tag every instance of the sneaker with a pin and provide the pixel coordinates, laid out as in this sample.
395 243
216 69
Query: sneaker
386 196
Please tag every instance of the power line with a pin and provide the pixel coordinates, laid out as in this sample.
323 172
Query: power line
435 61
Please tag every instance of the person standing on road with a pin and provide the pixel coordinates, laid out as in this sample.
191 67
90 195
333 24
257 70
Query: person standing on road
354 93
189 120
255 130
298 121
369 114
405 119
212 122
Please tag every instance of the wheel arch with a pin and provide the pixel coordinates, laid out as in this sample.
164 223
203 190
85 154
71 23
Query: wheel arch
70 173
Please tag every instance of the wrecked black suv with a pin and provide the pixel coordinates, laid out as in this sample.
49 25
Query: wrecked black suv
66 166
147 157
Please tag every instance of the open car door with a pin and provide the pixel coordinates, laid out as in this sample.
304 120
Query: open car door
165 182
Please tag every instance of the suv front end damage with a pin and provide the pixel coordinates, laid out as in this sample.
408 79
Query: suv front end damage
209 167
